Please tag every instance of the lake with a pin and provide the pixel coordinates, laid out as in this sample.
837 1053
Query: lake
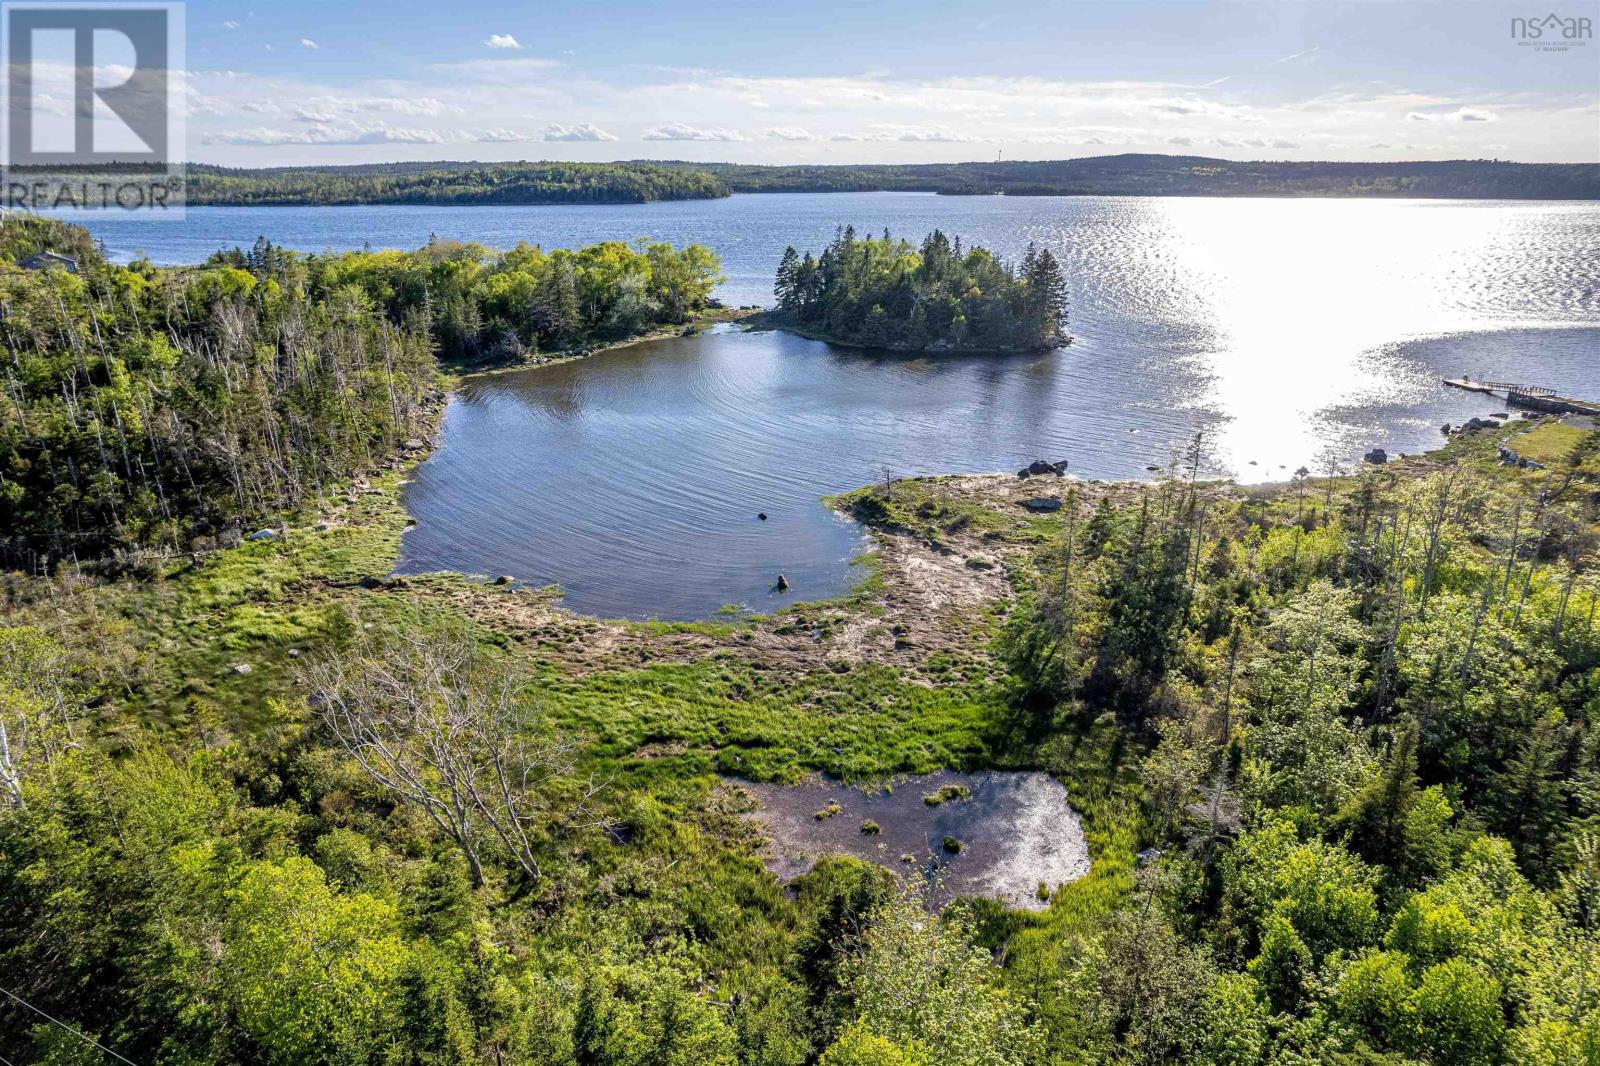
1289 329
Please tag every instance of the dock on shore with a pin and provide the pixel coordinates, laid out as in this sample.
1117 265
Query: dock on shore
1532 397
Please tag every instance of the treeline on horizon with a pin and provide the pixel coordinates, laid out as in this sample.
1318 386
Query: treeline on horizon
171 408
1165 175
449 183
884 292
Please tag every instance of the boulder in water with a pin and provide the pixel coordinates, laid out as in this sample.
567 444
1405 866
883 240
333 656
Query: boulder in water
783 583
1377 457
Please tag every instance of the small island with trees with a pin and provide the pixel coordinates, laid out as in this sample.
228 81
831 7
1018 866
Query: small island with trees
884 292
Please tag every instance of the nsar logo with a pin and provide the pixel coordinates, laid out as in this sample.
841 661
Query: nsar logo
1553 33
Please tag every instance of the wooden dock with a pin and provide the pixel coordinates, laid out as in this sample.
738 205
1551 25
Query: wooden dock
1532 397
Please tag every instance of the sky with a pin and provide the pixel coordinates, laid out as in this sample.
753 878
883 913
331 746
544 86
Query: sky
872 81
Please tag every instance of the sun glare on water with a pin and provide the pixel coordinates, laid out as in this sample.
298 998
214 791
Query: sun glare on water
1302 303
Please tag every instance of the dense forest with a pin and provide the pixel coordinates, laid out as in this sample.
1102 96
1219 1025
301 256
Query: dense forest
448 183
886 293
1330 740
461 184
150 407
645 181
1170 175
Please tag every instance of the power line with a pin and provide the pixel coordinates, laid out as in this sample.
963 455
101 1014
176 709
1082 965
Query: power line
68 1028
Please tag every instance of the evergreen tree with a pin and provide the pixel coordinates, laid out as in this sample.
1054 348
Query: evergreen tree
783 289
1047 291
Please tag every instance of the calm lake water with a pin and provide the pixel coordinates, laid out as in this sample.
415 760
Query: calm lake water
1287 328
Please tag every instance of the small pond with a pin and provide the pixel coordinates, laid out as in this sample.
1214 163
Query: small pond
995 834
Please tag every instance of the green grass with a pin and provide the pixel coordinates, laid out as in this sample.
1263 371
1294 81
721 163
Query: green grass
921 508
863 723
1549 444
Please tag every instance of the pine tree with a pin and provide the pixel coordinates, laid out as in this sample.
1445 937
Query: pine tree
1376 819
1047 297
559 316
783 289
1527 798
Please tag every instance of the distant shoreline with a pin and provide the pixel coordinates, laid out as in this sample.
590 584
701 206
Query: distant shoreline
526 183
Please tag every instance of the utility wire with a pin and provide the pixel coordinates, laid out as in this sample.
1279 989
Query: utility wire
68 1028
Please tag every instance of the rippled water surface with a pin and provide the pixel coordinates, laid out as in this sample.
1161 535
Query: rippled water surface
1291 329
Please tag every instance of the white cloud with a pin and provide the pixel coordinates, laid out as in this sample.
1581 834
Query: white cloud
1460 114
677 131
403 105
306 42
910 135
789 133
324 134
1181 142
583 131
502 40
498 135
936 136
230 25
1195 106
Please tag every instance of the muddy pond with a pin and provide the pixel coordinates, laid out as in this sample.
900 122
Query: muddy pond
994 834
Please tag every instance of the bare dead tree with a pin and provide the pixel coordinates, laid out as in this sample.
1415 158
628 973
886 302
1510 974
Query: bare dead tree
440 724
1215 818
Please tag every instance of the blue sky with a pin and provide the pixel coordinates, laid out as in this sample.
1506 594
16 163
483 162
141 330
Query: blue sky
883 81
